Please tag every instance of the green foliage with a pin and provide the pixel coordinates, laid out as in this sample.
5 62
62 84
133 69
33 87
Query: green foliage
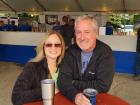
23 15
28 16
121 19
131 19
115 20
127 19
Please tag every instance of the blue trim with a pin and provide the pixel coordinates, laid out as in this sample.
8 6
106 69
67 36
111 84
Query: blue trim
16 53
125 61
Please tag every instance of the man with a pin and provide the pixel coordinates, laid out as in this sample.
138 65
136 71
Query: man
87 64
137 68
67 31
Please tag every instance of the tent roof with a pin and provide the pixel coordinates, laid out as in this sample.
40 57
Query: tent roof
69 5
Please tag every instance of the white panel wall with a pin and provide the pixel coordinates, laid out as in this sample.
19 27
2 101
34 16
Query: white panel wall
117 43
120 43
21 38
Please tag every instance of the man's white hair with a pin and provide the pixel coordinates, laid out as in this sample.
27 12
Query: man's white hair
88 17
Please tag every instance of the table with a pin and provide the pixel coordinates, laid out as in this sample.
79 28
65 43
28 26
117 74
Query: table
102 99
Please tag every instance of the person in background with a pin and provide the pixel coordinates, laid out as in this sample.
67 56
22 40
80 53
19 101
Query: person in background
1 25
71 25
57 26
45 65
109 28
34 26
67 31
71 22
87 64
137 68
24 26
13 26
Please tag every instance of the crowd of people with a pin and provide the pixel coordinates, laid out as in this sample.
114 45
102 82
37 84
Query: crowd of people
65 27
87 63
11 26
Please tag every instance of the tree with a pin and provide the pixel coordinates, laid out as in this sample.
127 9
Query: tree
115 20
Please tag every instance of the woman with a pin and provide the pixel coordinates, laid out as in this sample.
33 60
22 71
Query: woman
45 65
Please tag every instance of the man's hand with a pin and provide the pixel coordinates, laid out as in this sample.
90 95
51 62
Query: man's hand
80 99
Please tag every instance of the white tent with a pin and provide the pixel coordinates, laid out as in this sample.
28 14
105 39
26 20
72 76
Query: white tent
70 5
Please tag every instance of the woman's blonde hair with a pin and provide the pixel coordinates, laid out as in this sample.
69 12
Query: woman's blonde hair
40 54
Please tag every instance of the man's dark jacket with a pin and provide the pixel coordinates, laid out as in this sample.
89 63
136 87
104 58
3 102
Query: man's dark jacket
99 73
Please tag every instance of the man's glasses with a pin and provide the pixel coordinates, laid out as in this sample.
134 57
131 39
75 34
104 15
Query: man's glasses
49 45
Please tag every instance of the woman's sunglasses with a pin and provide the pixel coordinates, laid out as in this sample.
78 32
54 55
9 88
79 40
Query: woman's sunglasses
49 45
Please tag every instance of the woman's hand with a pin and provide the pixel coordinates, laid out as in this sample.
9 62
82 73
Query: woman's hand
56 90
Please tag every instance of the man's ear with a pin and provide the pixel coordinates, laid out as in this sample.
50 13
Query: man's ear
97 33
